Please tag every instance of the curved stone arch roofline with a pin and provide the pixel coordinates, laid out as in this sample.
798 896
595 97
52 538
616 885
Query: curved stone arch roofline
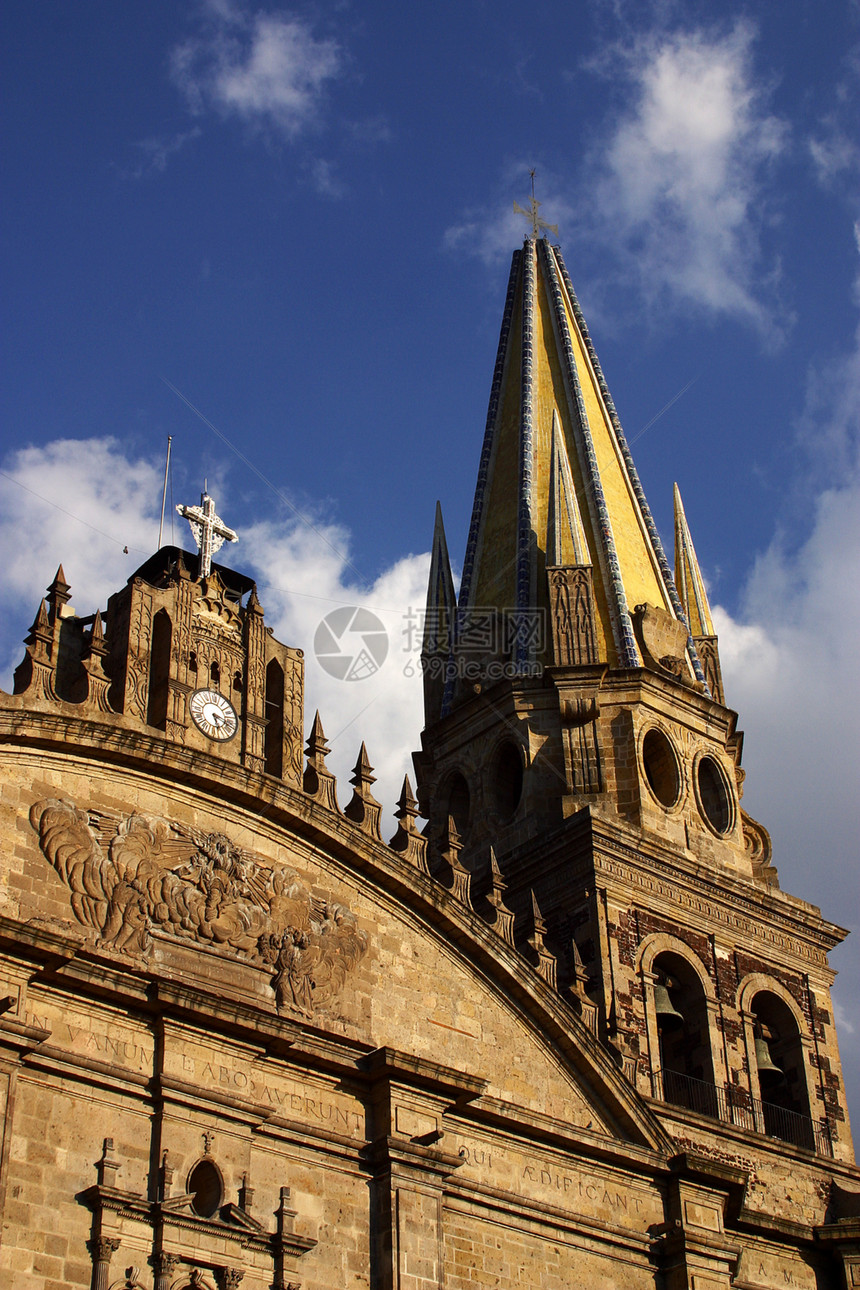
351 854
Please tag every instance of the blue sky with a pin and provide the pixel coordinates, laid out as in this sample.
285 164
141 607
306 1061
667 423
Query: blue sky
301 218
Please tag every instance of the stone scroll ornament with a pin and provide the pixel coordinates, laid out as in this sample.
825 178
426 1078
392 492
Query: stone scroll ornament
199 887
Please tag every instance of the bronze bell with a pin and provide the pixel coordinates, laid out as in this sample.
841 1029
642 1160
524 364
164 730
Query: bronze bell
767 1068
667 1014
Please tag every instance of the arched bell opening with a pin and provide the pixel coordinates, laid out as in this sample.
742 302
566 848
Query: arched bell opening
159 670
274 747
459 802
507 781
778 1057
681 1014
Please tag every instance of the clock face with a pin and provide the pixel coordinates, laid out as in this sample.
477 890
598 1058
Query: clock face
213 714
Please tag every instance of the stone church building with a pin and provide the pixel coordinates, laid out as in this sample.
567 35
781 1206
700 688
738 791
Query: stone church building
554 1027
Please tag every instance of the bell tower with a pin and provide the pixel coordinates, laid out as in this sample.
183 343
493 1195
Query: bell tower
579 745
183 654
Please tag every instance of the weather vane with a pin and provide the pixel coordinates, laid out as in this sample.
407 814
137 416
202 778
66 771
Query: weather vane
210 532
532 213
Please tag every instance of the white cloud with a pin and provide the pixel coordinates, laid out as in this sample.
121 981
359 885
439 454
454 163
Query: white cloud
832 153
301 580
154 153
325 179
790 669
265 68
80 503
677 189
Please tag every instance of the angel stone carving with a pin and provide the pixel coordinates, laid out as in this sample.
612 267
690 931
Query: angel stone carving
199 887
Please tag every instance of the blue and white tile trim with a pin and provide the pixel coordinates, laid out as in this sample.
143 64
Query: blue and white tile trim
622 625
633 474
489 437
522 650
487 449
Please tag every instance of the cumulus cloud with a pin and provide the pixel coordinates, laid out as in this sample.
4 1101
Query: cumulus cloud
265 68
80 503
300 585
675 188
789 665
678 186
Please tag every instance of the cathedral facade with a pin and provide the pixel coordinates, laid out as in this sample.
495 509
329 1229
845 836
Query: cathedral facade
556 1026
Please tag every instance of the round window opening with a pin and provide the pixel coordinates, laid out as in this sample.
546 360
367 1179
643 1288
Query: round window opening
205 1186
713 795
507 780
661 768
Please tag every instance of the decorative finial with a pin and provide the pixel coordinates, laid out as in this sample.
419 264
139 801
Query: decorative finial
210 532
532 213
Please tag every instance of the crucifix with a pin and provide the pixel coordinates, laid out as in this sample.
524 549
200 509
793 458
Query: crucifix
210 532
532 213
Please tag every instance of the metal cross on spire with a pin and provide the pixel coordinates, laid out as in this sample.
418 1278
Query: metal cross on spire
532 213
210 532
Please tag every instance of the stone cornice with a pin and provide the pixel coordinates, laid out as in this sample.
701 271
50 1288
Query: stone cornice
723 901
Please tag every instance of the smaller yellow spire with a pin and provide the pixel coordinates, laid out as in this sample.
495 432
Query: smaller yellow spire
566 542
688 576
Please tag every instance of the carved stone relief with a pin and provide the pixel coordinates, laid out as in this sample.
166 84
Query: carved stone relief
140 634
572 615
153 876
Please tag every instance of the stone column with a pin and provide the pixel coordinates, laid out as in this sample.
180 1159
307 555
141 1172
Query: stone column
164 1266
102 1248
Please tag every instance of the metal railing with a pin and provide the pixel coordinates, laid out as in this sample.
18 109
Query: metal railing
736 1106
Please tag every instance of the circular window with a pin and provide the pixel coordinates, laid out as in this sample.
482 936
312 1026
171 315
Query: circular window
661 767
713 794
507 780
204 1184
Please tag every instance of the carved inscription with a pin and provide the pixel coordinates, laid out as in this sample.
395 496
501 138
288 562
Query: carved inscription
576 1187
291 1100
109 1044
554 1182
154 875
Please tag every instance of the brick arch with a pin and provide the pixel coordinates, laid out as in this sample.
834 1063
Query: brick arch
755 982
761 983
651 948
663 943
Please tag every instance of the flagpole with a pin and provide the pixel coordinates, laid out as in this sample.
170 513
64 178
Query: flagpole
164 491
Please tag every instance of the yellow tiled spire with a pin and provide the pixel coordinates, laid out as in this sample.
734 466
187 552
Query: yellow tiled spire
556 482
688 576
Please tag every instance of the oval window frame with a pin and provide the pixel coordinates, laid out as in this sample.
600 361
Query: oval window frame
721 782
672 758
